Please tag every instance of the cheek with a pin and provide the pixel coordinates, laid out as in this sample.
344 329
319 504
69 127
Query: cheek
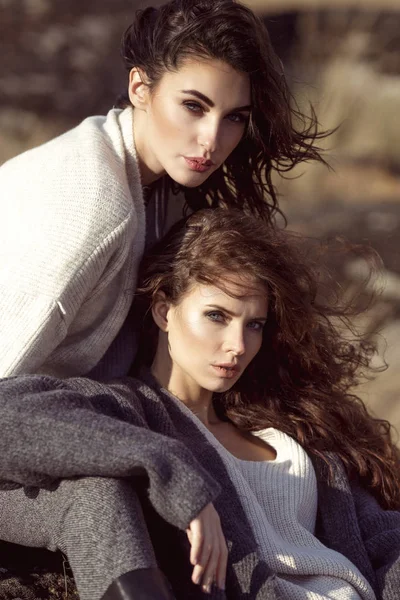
232 136
196 331
195 335
254 347
168 121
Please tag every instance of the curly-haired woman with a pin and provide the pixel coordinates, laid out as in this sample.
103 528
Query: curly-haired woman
239 436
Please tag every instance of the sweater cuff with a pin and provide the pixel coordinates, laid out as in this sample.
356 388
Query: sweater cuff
180 488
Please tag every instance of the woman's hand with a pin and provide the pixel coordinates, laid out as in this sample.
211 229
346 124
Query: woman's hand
209 552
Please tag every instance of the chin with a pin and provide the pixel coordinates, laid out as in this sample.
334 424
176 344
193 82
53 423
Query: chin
222 386
191 179
192 184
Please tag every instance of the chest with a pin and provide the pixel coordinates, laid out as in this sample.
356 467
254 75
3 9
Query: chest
244 446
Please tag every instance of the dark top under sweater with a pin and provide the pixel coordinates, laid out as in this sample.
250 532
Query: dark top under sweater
120 355
133 427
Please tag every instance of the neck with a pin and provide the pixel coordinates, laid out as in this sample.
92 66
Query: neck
149 168
197 399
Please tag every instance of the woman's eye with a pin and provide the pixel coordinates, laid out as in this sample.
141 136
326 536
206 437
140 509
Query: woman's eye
256 325
216 316
193 107
237 118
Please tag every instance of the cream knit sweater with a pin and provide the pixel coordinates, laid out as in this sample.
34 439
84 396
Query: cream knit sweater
280 501
72 233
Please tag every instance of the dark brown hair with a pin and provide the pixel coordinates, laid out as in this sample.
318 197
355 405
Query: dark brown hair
279 135
303 377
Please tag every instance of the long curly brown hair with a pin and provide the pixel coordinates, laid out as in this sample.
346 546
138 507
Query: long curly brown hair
303 378
279 135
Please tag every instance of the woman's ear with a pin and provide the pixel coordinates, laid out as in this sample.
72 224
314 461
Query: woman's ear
160 310
138 90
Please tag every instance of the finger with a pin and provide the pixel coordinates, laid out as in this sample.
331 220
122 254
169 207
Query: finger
190 535
196 539
211 568
197 574
220 574
203 553
209 560
206 549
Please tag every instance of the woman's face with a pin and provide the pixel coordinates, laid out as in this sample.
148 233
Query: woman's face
192 120
212 336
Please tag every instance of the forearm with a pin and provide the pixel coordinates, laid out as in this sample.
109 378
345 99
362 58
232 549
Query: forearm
50 432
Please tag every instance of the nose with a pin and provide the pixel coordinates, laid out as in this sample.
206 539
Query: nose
235 342
209 134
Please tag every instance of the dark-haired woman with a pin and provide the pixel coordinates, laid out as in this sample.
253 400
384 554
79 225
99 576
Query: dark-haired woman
241 414
207 113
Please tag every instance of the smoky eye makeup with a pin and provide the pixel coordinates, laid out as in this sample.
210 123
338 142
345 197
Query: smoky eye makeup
196 107
193 106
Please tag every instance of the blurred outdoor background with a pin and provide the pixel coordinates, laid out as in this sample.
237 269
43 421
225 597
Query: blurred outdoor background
60 63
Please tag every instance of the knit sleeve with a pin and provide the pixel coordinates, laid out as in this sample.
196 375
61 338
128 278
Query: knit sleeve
31 326
39 255
51 290
84 306
71 240
52 431
36 318
381 533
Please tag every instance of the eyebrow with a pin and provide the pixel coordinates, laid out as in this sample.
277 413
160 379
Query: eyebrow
232 314
210 103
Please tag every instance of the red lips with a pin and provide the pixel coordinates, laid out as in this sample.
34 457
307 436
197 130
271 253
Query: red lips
200 160
198 164
226 371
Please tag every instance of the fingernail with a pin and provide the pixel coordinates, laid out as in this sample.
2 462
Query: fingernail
197 579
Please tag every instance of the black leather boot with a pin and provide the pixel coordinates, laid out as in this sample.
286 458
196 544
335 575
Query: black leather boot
142 584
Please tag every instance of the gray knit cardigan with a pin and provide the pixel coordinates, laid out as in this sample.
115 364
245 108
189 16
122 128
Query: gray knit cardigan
53 429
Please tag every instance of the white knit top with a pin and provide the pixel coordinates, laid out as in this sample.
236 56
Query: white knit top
280 500
72 233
